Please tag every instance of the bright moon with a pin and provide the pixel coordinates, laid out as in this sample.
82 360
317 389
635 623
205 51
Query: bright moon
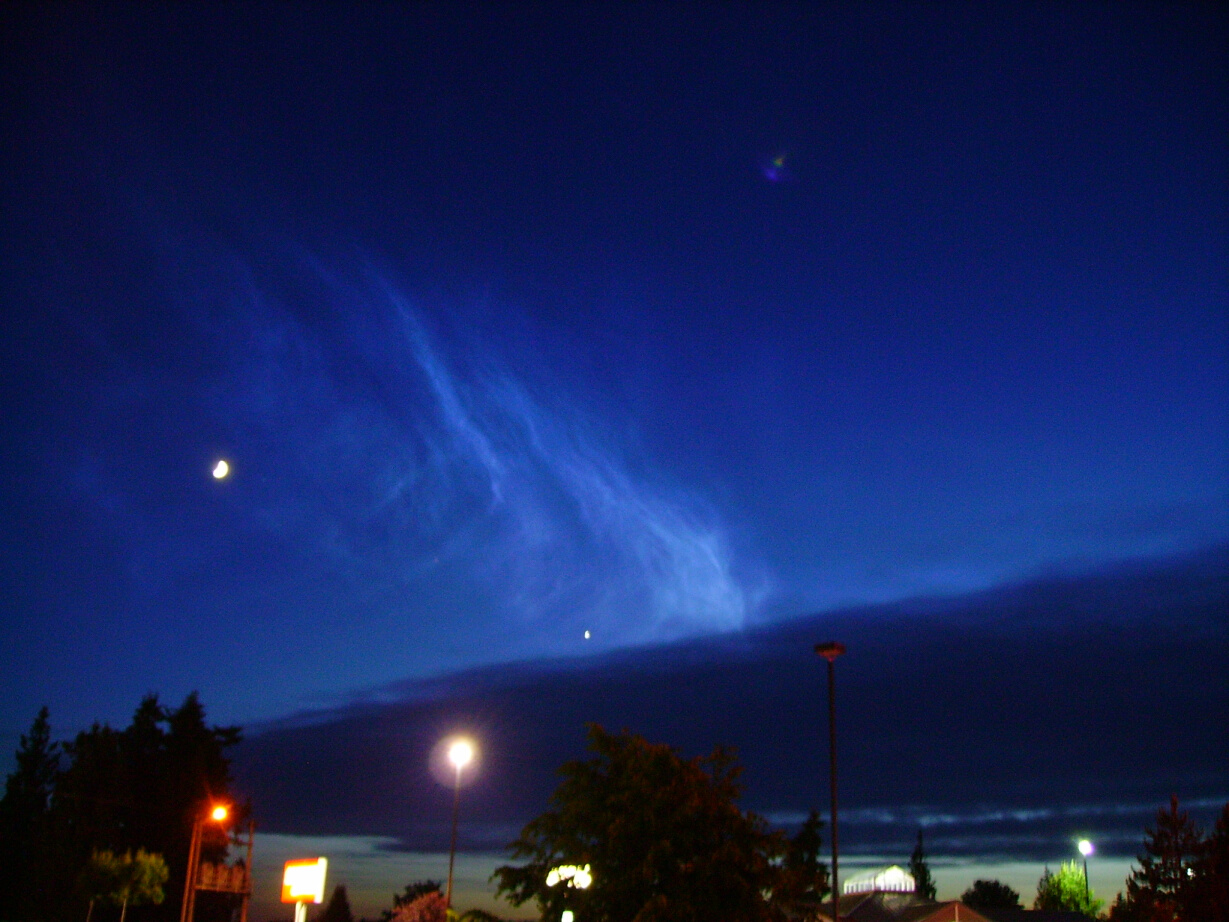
220 470
586 635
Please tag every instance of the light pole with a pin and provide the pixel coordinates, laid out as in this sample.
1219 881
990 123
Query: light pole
460 754
218 813
830 651
1086 849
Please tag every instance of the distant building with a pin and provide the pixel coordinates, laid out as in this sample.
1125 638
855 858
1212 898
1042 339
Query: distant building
892 879
887 895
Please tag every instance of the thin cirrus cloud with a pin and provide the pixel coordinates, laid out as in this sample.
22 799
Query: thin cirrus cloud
454 470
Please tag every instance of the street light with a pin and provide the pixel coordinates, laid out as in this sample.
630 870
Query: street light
830 651
1086 849
218 813
460 754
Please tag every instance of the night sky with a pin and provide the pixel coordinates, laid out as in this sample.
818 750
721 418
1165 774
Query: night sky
577 337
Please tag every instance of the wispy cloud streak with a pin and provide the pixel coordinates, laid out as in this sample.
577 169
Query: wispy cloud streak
460 474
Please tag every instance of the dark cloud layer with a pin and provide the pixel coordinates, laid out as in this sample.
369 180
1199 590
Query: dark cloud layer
1003 723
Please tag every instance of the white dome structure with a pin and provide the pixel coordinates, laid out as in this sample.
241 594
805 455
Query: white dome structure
892 879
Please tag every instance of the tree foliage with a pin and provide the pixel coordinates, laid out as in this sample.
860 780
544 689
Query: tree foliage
803 882
924 884
120 791
413 891
428 907
1181 876
990 895
1067 889
1209 895
663 836
1161 881
124 880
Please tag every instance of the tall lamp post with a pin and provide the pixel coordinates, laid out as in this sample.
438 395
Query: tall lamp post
830 651
1086 849
460 754
218 814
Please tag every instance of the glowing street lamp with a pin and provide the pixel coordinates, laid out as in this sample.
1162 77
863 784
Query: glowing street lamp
1086 849
218 814
460 754
830 651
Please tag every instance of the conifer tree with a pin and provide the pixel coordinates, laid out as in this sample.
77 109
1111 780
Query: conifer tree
923 883
137 790
25 884
1162 880
1209 897
804 879
1181 876
338 909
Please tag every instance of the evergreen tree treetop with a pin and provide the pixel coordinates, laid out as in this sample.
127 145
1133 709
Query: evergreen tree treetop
924 884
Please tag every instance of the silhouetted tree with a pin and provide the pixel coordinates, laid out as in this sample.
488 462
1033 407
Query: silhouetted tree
1067 890
1180 876
338 908
26 882
429 907
412 892
663 836
118 791
804 878
196 771
1209 895
924 884
990 895
1163 877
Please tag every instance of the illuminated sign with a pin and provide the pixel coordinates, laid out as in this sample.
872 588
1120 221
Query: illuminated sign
574 876
303 881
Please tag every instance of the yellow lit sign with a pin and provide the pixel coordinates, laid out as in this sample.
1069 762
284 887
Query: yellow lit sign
303 881
570 874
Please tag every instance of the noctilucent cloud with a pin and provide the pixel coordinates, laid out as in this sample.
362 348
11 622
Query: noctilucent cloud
538 333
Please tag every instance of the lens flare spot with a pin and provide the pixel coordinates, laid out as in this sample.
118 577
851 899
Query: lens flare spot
775 170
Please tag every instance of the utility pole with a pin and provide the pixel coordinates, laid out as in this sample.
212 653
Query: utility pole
830 651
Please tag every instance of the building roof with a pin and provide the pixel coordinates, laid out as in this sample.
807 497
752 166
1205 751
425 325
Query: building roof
1035 915
899 907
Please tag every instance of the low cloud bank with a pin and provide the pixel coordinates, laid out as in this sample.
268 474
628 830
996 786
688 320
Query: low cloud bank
1002 724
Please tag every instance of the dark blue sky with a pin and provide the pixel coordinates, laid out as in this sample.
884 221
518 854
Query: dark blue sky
520 321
